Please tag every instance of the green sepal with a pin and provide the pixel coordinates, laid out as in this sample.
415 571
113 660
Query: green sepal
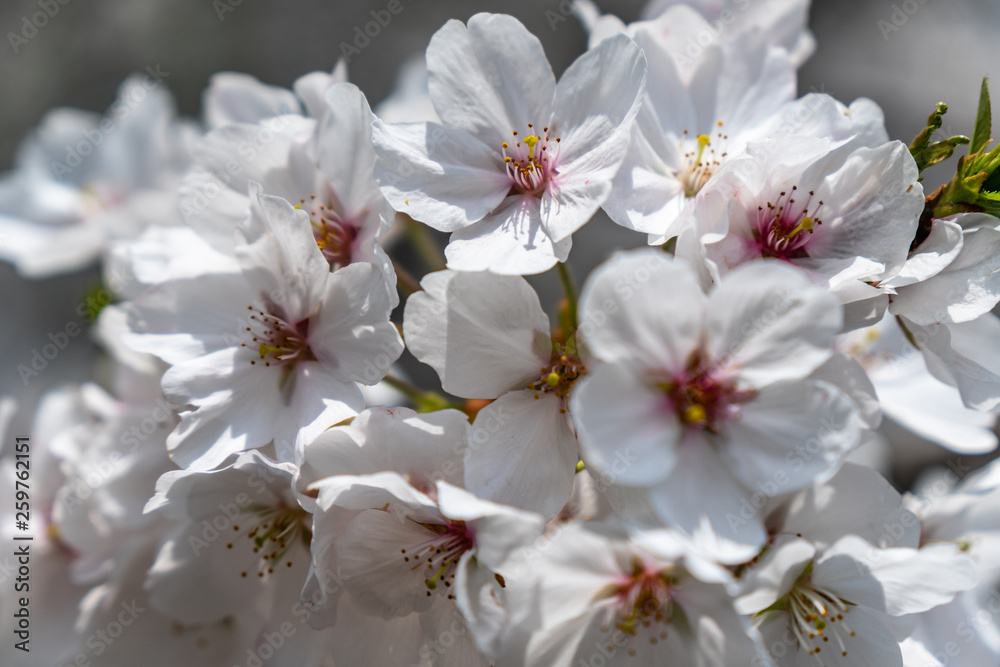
939 151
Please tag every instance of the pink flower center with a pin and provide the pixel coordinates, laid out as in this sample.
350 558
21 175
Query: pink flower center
530 162
643 604
277 340
702 398
438 556
783 227
334 231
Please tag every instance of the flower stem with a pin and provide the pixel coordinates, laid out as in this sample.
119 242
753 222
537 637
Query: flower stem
420 236
567 282
405 279
425 401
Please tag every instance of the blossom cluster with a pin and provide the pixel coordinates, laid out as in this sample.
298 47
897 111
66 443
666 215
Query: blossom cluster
684 465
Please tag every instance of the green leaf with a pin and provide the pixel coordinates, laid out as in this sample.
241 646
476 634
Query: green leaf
984 120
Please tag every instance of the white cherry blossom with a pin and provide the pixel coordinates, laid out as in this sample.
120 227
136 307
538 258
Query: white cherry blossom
82 180
593 593
842 606
844 215
269 353
409 549
488 338
686 392
520 162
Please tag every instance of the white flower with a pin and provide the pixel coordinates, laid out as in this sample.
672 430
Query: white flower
963 355
402 553
686 392
54 595
911 396
520 162
943 298
784 23
703 103
240 98
856 501
842 606
159 254
916 654
111 458
850 546
488 338
324 165
120 605
956 272
844 215
261 355
237 546
679 141
83 180
967 516
410 99
593 594
700 113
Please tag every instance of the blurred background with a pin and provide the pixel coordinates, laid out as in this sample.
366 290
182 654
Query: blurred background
905 54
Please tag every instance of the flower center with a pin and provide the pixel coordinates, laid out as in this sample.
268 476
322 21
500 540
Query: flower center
278 341
861 345
700 161
275 531
529 162
563 370
703 399
334 231
438 556
783 227
643 602
817 615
